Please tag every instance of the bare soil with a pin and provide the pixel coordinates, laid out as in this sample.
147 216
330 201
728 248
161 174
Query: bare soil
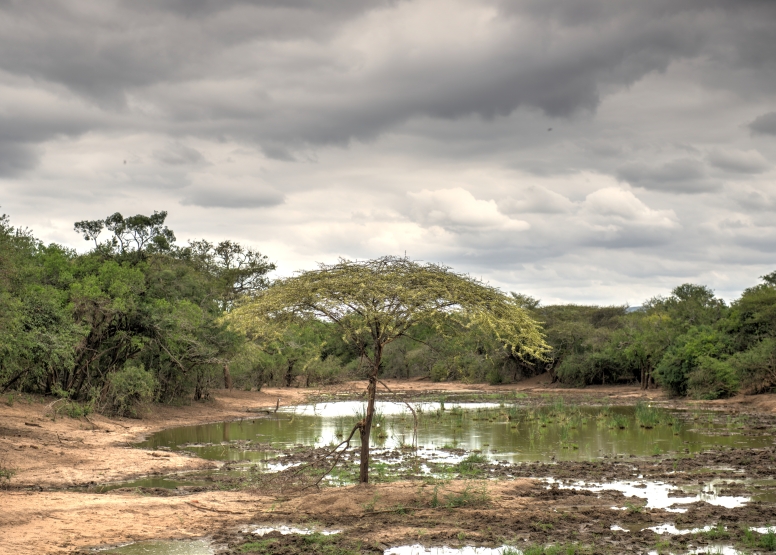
39 514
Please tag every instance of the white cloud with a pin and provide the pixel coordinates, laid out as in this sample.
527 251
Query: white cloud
537 200
457 210
615 205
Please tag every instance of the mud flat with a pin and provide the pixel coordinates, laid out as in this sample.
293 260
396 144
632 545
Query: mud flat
428 502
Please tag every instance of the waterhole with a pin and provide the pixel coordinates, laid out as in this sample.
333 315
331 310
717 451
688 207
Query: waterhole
508 432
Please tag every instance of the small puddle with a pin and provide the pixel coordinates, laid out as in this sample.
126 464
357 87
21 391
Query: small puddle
162 547
285 529
674 531
657 494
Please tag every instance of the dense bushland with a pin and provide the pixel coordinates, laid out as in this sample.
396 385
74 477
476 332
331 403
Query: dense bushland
135 319
138 319
690 343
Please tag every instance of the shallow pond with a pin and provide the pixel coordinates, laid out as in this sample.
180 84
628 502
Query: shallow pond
503 432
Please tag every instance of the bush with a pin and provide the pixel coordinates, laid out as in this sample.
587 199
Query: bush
574 369
325 372
756 367
712 379
129 390
439 372
683 359
494 377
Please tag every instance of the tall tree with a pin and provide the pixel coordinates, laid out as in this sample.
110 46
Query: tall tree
375 302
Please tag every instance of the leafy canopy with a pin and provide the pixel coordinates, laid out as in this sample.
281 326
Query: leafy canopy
377 301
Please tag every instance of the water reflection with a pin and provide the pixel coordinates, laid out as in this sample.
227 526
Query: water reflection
501 432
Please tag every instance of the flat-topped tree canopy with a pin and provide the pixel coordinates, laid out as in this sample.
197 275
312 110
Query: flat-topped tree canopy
374 302
377 301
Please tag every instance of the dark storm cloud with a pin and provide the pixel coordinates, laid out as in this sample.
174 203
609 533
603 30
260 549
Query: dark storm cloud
16 158
557 56
764 124
502 134
684 175
739 161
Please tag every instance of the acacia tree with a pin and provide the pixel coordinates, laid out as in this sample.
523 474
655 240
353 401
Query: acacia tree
375 302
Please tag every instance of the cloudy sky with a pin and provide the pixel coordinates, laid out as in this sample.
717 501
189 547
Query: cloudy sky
575 150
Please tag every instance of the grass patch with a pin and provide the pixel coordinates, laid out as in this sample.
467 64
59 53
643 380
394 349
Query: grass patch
617 421
648 416
719 532
468 466
261 546
756 540
6 473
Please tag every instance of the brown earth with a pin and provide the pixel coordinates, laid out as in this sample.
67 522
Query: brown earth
51 454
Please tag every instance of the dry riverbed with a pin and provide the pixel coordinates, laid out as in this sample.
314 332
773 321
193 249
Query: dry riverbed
42 513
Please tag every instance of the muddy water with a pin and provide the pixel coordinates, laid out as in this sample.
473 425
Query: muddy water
511 433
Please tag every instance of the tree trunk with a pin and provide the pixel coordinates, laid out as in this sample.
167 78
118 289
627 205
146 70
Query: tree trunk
371 391
227 377
363 474
289 373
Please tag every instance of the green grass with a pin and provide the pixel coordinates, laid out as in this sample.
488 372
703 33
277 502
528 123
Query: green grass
261 546
756 540
468 465
468 497
647 416
719 532
617 421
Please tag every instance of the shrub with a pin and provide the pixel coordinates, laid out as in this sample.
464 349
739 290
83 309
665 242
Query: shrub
712 379
325 372
756 367
698 346
129 390
575 369
494 377
439 372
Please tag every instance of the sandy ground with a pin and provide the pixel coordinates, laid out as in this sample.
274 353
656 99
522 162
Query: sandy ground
37 516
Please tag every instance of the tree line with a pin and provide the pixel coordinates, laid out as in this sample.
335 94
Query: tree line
138 319
133 320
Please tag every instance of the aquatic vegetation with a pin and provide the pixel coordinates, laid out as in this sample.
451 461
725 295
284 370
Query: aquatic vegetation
617 421
648 416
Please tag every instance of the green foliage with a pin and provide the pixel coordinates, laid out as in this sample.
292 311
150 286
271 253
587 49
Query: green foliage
756 366
494 377
129 389
375 302
712 379
75 324
468 466
698 345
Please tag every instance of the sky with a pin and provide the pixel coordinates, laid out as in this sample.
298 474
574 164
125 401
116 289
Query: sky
581 151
